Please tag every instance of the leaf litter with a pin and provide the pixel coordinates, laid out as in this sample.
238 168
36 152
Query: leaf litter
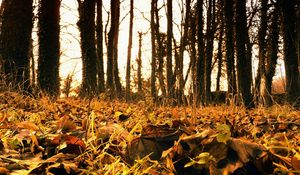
72 136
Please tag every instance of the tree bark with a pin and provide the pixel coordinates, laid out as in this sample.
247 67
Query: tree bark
153 61
170 82
289 47
113 80
128 66
229 41
200 54
183 42
262 47
209 48
243 69
159 54
15 39
99 34
273 40
220 51
49 46
139 63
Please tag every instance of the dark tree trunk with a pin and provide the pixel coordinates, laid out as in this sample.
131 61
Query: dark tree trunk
289 47
200 56
118 86
99 33
159 54
183 42
153 61
193 56
229 41
220 52
128 66
49 46
170 82
262 46
88 47
139 63
243 69
209 48
15 39
113 81
272 51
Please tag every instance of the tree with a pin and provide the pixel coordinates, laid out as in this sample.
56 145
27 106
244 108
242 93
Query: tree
229 44
183 43
220 44
49 46
86 26
170 82
153 61
289 46
113 81
272 50
139 63
200 54
15 42
159 52
128 67
262 45
210 27
243 68
99 40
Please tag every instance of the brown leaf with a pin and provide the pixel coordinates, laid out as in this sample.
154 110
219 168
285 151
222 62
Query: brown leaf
246 150
27 125
65 124
4 171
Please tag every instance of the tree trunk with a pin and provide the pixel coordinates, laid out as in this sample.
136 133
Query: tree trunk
153 61
49 46
209 48
272 51
243 69
99 34
159 54
139 63
289 47
88 49
113 81
170 82
183 42
15 39
229 41
220 52
193 56
262 46
127 93
200 56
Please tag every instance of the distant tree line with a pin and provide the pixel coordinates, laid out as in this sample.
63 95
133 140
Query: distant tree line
236 25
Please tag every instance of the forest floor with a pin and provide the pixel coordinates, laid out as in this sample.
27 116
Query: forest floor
72 136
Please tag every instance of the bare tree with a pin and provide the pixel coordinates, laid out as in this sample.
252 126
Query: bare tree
99 40
200 56
243 68
86 26
113 79
170 82
49 46
210 28
15 42
128 67
229 41
289 46
153 61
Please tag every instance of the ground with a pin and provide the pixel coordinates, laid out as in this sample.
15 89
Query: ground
75 136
